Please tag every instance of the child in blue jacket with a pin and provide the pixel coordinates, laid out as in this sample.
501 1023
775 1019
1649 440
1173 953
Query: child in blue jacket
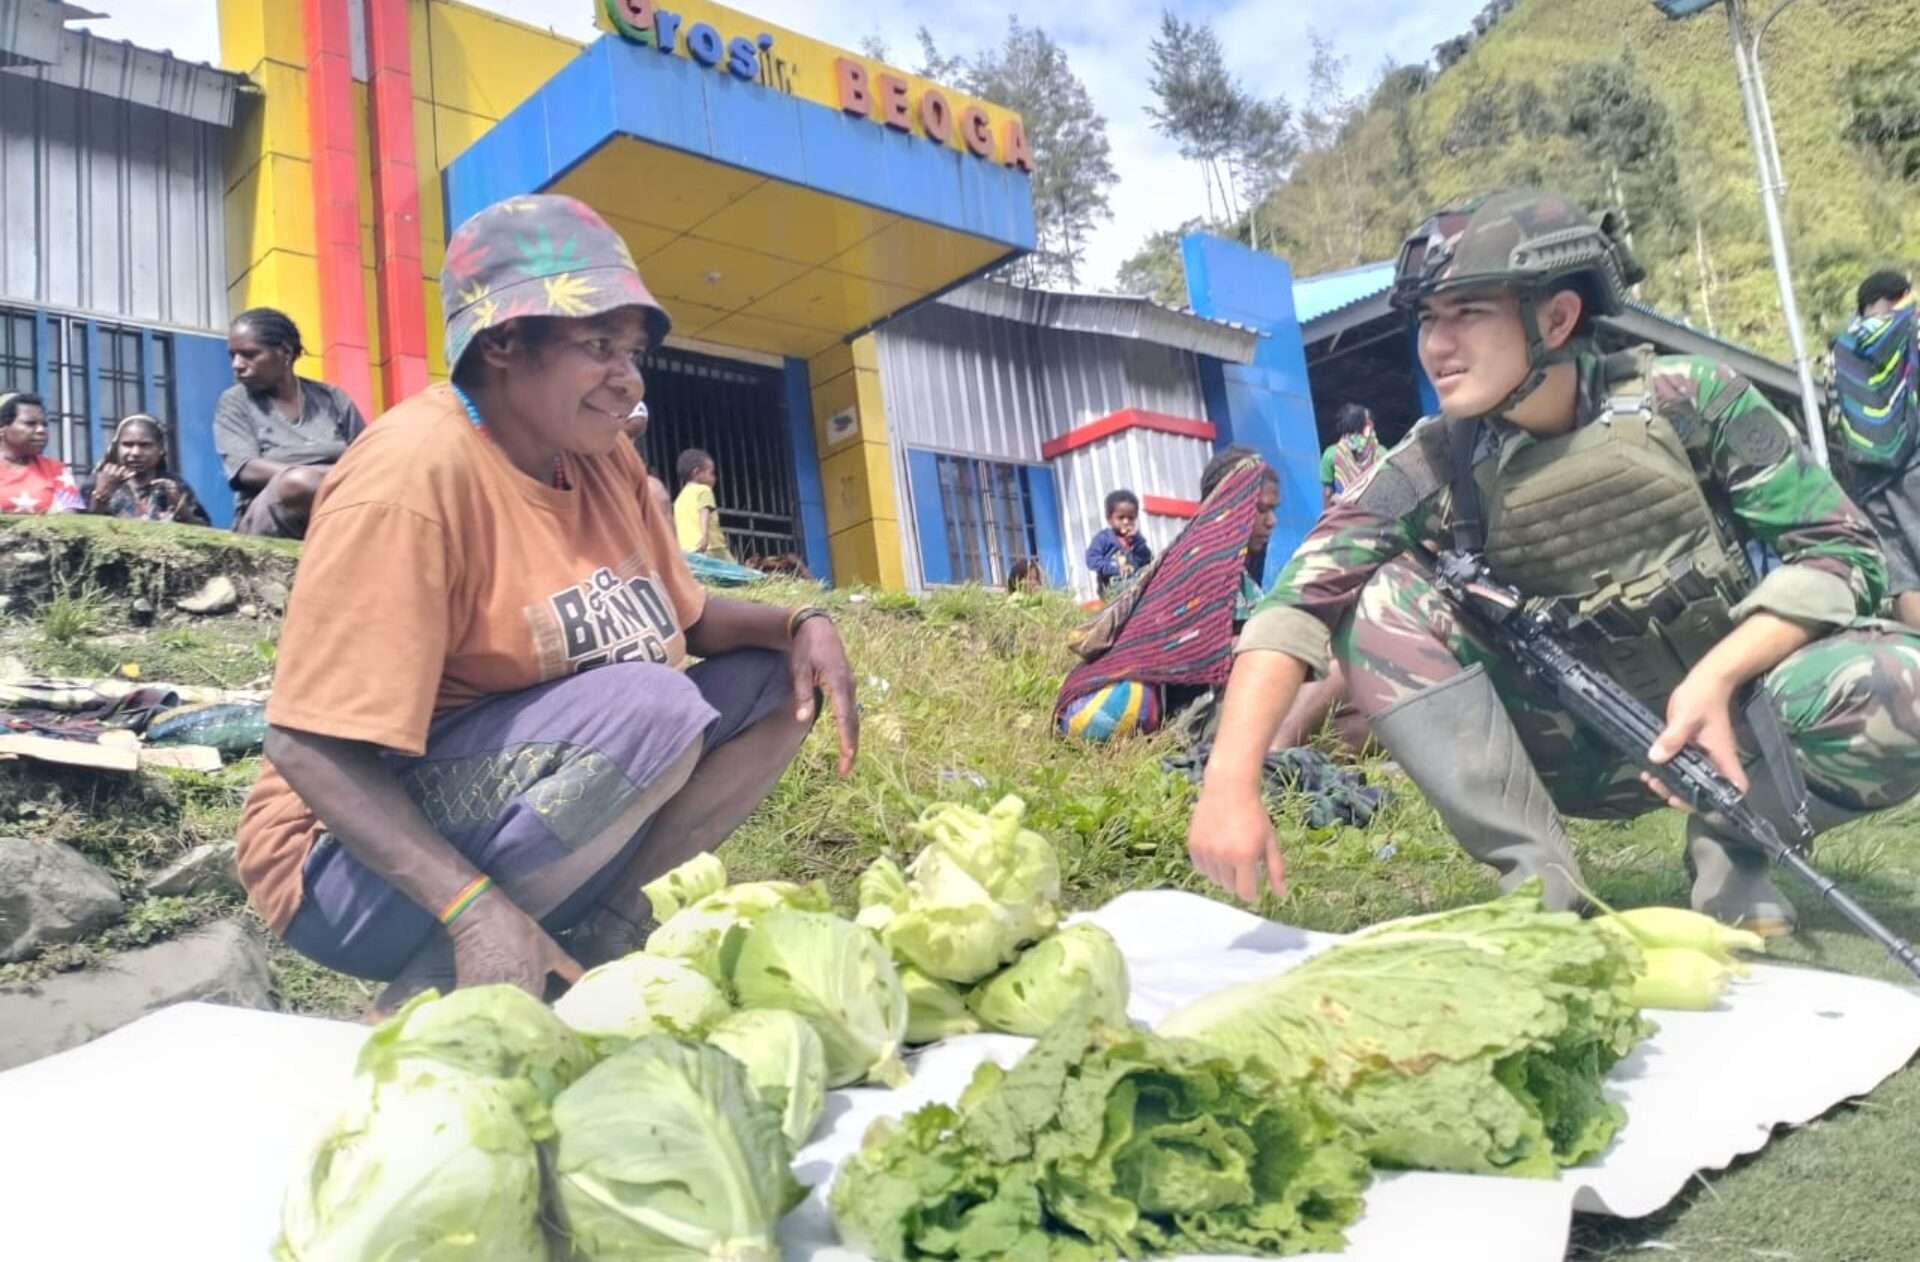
1118 552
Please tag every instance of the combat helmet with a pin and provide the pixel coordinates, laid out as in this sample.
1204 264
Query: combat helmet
1528 239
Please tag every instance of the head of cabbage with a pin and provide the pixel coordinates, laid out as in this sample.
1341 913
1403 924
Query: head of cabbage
836 975
980 889
1080 965
690 882
705 934
935 1009
495 1031
785 1061
431 1163
666 1151
641 994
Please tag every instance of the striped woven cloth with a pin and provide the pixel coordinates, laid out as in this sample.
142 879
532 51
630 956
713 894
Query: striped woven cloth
1181 628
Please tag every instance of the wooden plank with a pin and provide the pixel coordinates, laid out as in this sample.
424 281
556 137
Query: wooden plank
70 753
181 757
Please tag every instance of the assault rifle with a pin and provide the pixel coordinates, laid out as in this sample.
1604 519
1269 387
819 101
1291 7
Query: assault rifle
1615 715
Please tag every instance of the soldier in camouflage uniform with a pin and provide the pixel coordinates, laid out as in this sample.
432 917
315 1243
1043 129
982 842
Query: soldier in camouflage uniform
1621 490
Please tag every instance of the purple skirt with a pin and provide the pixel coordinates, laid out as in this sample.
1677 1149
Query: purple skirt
531 781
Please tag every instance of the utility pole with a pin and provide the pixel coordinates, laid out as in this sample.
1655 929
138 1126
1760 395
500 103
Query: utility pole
1773 184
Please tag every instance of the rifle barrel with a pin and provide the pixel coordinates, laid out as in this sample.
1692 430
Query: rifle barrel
1621 720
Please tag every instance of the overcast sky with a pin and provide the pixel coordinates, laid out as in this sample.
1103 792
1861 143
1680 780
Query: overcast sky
1106 42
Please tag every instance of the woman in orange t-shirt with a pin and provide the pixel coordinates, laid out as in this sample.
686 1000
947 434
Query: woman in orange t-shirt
29 481
482 740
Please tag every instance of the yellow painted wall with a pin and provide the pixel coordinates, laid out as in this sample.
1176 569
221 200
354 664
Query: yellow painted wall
470 68
863 517
269 194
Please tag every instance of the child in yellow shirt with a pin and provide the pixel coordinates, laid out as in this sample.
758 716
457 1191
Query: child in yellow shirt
696 514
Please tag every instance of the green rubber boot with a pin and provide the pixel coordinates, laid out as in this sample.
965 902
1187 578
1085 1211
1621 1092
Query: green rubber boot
1458 744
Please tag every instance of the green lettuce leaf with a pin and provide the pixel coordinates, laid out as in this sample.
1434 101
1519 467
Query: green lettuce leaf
836 975
935 1009
785 1061
666 1152
431 1163
640 994
688 883
1474 1040
1103 1141
495 1031
704 932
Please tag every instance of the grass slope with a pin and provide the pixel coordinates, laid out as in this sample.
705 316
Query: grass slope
956 693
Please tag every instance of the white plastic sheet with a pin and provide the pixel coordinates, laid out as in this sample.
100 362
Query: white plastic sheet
174 1137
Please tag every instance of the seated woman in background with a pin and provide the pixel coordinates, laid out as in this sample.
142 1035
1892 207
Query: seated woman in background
132 481
30 481
1167 637
1025 575
278 434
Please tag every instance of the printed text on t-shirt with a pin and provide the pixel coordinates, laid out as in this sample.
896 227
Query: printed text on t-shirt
608 619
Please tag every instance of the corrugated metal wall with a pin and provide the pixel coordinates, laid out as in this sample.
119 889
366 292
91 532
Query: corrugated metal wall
1142 461
955 381
959 382
110 207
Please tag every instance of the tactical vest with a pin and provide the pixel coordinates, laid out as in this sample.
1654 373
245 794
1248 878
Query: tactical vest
1610 527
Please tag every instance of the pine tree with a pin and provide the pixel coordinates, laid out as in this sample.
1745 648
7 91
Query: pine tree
1072 160
1241 143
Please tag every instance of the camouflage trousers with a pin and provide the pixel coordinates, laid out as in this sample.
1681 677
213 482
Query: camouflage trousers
1850 701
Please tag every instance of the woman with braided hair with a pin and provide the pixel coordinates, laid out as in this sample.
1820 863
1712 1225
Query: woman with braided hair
278 434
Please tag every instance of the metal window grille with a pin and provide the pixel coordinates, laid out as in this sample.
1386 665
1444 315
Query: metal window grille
16 350
989 518
162 409
737 413
69 433
119 375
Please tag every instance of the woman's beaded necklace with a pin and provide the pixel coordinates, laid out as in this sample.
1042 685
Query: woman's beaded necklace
560 480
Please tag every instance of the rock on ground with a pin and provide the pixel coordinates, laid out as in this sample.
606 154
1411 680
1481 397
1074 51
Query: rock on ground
201 870
216 595
50 893
221 963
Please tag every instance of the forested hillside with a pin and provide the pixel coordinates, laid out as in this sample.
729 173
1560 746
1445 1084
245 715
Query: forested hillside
1616 104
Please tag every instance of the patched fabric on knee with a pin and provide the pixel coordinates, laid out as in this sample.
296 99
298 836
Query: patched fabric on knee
575 790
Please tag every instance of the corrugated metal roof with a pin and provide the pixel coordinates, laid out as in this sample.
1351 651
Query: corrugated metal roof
1677 336
114 68
30 31
1322 295
1113 315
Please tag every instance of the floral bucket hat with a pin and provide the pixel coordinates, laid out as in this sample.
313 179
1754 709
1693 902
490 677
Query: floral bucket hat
543 255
